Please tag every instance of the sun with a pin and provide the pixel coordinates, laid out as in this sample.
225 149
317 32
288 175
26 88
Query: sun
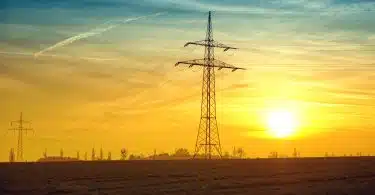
281 123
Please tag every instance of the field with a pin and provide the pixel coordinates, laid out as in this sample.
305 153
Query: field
355 175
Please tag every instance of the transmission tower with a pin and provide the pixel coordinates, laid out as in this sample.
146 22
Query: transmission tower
21 129
208 135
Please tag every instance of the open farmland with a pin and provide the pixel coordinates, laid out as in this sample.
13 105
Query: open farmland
355 175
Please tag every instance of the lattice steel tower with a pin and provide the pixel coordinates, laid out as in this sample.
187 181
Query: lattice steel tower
208 135
21 129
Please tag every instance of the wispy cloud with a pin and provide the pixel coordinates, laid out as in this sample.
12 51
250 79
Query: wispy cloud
96 31
56 56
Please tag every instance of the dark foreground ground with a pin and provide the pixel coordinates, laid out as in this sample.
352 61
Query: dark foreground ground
256 177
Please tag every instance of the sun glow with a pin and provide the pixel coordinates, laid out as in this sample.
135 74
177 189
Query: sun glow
281 123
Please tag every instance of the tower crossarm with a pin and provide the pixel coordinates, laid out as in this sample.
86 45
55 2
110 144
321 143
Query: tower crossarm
20 126
12 123
22 129
210 43
215 64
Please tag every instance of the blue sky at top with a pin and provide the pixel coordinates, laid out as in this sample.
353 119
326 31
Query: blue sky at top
30 26
319 15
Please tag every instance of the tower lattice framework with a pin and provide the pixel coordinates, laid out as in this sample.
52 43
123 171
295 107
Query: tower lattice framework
21 129
208 139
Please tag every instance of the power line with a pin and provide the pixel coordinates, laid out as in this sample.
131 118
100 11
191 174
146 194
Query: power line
315 67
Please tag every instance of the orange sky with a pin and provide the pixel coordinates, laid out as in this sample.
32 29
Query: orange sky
80 108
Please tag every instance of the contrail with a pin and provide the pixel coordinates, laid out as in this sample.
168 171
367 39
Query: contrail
57 56
93 32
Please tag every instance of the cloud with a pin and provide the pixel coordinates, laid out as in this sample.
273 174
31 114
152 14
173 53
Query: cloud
90 33
56 56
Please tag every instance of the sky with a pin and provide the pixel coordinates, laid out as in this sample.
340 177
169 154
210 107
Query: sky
100 73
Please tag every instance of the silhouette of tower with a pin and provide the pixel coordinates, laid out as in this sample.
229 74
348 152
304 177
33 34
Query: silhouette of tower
85 156
77 155
21 129
208 135
45 153
11 155
61 153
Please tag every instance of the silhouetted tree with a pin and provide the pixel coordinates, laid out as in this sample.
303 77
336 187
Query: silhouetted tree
85 156
101 154
234 153
135 157
273 155
93 154
11 155
109 156
124 154
295 154
181 152
241 152
226 155
154 156
238 153
163 155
